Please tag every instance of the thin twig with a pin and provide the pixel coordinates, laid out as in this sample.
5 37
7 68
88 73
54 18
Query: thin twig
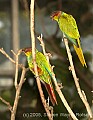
17 96
40 38
50 116
7 56
76 80
63 98
16 72
7 103
4 53
17 86
57 87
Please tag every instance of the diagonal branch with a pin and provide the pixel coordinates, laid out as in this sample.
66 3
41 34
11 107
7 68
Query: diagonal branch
40 38
56 84
4 53
7 103
76 80
17 96
16 62
17 86
50 116
7 56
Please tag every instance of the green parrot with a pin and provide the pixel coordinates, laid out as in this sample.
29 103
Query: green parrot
44 71
69 27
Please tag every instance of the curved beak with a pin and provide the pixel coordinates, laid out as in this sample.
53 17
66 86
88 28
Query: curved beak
52 16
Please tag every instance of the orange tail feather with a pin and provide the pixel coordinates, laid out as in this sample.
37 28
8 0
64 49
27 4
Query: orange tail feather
80 53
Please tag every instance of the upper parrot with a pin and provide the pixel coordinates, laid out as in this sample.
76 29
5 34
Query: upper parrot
69 27
44 71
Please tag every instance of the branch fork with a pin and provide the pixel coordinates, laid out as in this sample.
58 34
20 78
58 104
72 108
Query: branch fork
18 87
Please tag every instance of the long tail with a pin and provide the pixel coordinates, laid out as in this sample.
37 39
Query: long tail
80 53
51 93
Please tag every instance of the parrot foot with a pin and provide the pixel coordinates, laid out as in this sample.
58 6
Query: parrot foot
48 54
63 38
60 85
37 76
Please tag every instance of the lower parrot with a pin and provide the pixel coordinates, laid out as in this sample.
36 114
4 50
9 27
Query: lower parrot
69 28
44 71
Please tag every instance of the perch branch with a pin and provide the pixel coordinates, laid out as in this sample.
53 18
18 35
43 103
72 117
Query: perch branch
76 80
17 96
16 62
56 85
4 53
63 98
16 72
7 103
50 116
7 56
40 38
17 86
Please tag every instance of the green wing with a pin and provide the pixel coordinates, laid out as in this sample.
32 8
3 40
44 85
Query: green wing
48 71
44 66
68 26
74 41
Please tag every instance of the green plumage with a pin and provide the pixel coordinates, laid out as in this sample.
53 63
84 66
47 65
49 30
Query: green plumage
44 71
69 27
43 66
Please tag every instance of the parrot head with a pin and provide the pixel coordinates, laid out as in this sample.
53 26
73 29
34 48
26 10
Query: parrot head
27 51
55 15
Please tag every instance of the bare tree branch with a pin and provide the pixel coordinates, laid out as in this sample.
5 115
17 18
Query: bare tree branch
50 116
76 80
7 56
16 62
17 86
7 103
4 53
40 38
17 96
56 84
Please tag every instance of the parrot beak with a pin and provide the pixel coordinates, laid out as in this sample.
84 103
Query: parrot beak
52 17
55 15
23 49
